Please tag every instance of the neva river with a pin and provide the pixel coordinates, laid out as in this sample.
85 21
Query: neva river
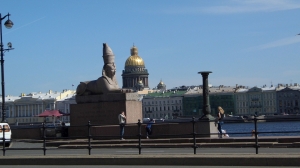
288 128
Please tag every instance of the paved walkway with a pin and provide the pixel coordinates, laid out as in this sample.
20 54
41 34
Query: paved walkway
282 159
269 142
207 159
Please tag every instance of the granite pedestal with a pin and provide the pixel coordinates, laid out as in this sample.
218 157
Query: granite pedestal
103 110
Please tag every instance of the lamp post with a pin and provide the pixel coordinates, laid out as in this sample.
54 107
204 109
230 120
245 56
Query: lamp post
8 24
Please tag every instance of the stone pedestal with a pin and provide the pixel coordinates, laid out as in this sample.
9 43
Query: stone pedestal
159 130
209 129
103 110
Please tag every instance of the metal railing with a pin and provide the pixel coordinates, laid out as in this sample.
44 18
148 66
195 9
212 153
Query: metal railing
194 135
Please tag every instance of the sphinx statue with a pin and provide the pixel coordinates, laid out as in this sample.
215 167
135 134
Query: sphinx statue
107 83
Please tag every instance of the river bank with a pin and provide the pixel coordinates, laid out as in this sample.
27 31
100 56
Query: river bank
261 118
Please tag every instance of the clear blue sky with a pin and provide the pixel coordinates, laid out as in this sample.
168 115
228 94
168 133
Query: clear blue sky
59 42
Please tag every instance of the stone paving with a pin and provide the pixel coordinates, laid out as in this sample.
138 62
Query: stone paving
282 159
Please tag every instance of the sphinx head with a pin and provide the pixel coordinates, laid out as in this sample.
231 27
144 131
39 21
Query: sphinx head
109 70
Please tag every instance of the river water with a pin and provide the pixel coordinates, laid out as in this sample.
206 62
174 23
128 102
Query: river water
286 128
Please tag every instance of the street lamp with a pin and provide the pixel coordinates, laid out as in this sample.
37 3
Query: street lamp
8 24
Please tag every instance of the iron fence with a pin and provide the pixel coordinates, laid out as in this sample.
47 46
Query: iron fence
194 135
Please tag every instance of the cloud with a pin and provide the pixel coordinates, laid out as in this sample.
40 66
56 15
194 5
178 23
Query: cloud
278 43
237 6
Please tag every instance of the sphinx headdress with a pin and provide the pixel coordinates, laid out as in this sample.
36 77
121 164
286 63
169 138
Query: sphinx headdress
108 55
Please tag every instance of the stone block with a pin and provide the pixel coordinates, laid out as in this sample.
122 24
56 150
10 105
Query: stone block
104 110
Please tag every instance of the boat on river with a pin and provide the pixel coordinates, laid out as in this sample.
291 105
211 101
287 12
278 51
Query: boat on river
260 118
290 117
233 119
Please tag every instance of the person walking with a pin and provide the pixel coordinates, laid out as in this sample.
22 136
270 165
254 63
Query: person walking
224 134
220 120
149 127
122 121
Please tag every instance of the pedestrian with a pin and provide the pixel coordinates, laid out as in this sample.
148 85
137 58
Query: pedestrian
122 121
220 120
149 127
224 133
64 130
253 133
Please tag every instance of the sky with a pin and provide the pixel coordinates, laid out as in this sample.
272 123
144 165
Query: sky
58 43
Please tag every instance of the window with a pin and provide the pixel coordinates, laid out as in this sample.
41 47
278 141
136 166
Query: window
280 103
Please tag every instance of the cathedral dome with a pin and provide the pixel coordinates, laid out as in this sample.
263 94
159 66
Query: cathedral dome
134 59
161 85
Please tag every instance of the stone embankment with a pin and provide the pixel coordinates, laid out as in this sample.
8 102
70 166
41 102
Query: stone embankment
241 142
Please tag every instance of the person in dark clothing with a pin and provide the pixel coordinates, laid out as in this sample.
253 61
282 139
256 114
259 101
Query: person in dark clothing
64 130
220 120
149 127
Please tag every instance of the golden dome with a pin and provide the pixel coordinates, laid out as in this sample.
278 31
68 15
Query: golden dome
134 59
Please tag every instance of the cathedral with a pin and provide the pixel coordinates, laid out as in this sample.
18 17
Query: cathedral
135 75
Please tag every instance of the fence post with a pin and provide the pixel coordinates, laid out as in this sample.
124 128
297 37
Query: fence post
139 135
194 135
89 137
44 138
3 140
256 139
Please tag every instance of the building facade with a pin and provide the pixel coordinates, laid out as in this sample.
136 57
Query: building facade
218 96
238 100
288 100
166 105
25 108
255 101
